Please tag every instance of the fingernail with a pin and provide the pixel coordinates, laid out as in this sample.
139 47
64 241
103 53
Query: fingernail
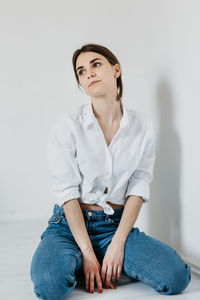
100 291
88 289
107 286
92 291
114 286
117 280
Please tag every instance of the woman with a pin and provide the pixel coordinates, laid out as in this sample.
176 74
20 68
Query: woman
101 158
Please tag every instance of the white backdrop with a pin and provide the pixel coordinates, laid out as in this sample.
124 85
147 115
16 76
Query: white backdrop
158 46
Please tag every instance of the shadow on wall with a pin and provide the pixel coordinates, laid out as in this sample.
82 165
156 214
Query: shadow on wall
165 208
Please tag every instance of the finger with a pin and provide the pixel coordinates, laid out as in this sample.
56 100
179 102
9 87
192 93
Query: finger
91 283
119 269
114 273
87 283
112 286
99 283
103 273
108 276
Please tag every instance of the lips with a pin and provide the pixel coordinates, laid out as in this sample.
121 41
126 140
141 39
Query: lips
93 82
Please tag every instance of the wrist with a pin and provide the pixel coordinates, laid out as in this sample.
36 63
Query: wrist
120 241
87 251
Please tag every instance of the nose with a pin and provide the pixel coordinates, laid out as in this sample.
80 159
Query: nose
91 74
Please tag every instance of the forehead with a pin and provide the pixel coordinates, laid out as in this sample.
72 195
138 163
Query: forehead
85 57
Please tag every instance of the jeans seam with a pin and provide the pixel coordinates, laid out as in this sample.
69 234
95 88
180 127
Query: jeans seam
145 280
74 264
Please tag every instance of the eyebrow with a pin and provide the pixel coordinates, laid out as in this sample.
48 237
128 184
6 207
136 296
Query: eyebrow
90 63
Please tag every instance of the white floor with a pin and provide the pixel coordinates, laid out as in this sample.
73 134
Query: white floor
18 242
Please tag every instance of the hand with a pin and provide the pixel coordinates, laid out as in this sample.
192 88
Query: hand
112 263
91 268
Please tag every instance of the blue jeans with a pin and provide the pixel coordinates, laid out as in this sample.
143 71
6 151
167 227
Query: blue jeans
58 259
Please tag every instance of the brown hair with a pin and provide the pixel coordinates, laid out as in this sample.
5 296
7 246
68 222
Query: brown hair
107 54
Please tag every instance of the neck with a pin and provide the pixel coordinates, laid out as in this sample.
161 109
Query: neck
107 112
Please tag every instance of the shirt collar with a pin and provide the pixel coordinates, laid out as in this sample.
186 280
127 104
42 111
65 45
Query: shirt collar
89 117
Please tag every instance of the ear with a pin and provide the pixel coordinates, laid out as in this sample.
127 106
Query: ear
117 70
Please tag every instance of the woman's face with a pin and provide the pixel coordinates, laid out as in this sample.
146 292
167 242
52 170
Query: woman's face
92 66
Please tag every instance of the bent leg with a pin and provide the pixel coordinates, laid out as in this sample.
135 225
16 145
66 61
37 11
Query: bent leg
53 266
155 263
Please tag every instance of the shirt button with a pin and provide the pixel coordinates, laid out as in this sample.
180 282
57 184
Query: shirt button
89 213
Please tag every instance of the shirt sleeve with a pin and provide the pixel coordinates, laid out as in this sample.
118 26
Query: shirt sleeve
62 163
141 178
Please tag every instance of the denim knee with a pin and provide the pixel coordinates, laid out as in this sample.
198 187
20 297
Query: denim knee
53 288
178 280
52 283
44 289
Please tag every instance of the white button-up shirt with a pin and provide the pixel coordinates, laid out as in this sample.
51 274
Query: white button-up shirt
82 165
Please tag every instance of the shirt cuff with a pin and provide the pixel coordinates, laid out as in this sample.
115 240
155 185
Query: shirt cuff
70 196
139 188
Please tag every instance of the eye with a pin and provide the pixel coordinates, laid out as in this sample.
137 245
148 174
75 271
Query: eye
96 63
80 72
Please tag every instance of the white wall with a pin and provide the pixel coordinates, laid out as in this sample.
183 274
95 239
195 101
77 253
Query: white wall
158 46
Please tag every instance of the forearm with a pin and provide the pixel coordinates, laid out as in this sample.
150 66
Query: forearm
75 219
128 218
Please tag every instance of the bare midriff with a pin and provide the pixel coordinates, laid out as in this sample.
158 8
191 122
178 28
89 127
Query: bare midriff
85 206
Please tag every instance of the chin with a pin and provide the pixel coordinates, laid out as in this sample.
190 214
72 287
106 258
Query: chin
97 94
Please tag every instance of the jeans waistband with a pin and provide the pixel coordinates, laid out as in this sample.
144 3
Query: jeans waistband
117 211
92 213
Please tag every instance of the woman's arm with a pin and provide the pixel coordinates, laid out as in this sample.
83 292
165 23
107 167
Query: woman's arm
91 265
138 190
128 219
77 226
113 259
